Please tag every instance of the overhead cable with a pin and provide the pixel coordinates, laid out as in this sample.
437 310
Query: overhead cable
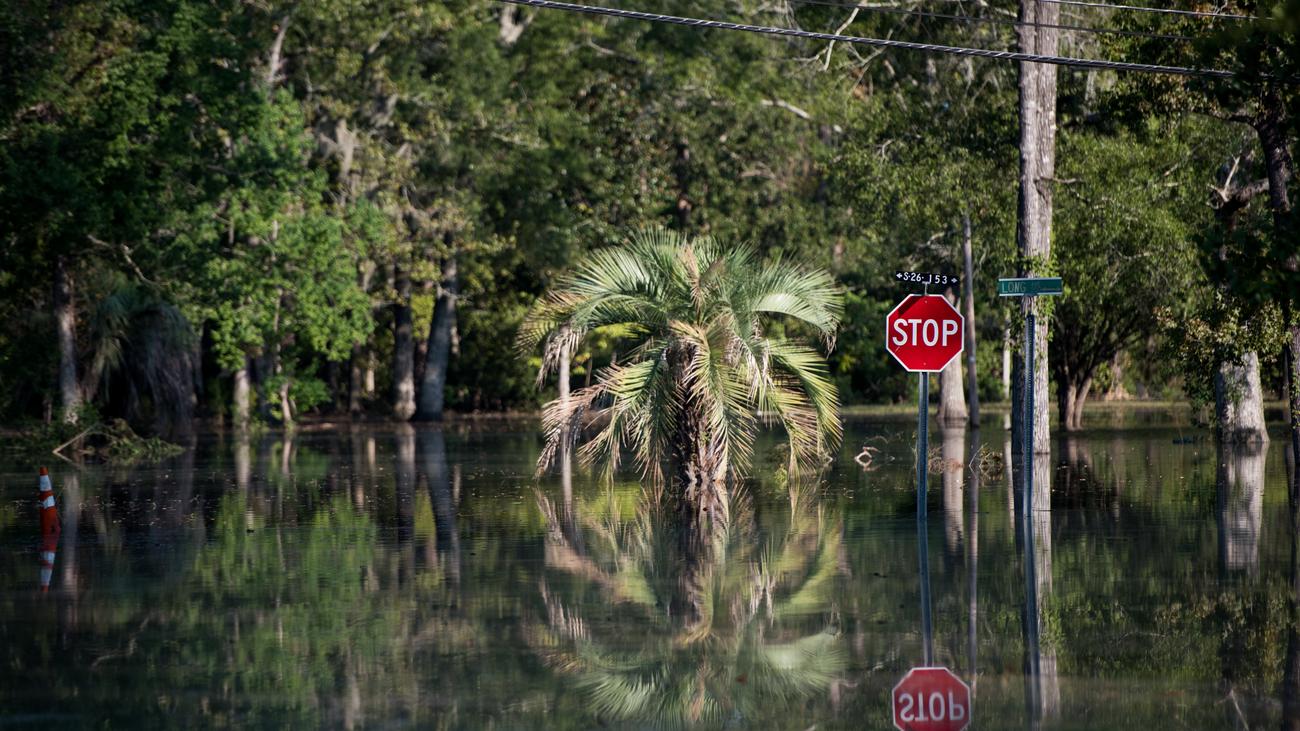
997 21
1090 63
1145 9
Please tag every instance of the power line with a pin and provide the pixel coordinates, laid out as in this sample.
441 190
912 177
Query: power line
1144 9
1089 63
997 21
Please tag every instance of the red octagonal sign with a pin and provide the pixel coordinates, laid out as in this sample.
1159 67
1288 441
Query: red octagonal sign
931 699
924 332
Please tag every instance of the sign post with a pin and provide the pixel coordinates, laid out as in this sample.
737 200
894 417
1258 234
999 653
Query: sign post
924 333
1029 287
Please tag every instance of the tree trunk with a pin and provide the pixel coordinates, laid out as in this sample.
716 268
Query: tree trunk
355 380
1291 387
1072 392
699 485
403 349
1034 213
968 290
65 319
286 406
952 397
1271 127
1116 391
1239 402
434 383
242 396
1080 398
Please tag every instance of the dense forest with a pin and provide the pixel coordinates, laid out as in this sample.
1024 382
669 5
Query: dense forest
232 210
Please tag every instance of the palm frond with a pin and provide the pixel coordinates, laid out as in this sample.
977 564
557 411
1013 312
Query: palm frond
694 317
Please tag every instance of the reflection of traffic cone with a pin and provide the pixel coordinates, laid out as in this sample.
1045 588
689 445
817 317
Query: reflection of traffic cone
49 515
49 544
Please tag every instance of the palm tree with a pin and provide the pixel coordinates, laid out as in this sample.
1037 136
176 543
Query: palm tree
703 362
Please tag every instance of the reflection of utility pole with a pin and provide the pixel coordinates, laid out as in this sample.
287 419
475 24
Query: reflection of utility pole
1042 691
972 563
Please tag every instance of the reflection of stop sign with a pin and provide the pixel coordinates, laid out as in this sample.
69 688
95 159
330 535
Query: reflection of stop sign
924 332
931 699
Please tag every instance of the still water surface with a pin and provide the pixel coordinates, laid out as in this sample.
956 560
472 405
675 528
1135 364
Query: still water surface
385 576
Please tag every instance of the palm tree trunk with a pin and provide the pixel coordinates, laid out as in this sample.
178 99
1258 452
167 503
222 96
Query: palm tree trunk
403 349
65 319
434 383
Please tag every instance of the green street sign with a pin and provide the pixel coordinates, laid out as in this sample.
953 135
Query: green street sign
1029 286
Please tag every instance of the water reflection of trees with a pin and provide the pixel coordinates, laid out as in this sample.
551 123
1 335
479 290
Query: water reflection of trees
734 623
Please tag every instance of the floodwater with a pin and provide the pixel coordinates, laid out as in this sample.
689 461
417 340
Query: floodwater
385 576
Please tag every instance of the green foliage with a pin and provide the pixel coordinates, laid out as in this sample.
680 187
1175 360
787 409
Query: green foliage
703 353
1218 331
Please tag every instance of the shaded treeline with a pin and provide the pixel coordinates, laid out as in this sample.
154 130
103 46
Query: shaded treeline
259 211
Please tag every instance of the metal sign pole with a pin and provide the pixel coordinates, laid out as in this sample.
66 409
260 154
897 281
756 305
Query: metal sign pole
922 443
1027 432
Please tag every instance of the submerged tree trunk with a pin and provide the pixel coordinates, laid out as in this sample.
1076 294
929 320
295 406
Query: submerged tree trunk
968 292
65 319
699 486
403 349
952 396
1072 389
1037 35
1239 402
952 387
434 383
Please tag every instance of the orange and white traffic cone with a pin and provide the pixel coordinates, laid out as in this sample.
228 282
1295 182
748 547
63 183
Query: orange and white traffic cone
49 545
49 514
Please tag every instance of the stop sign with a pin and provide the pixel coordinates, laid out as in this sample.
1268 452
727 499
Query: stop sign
931 699
924 332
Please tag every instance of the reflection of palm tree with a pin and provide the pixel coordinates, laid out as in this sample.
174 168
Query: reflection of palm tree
725 612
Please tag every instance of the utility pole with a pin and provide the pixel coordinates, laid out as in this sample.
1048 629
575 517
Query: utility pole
1034 214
